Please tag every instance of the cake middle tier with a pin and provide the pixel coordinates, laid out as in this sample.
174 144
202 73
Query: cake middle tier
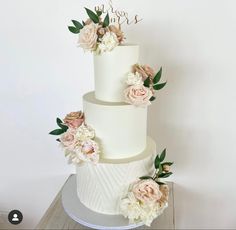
121 129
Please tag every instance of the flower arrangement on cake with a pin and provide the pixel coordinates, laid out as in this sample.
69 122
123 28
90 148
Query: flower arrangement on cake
142 83
96 34
146 198
77 139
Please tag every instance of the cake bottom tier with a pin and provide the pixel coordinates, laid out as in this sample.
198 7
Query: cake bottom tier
100 187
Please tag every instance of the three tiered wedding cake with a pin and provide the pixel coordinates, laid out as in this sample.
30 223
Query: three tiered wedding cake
118 171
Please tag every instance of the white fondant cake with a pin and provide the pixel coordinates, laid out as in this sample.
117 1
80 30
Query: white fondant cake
121 129
110 71
101 186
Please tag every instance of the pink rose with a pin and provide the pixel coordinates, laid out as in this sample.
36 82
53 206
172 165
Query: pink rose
68 138
144 70
74 119
147 191
138 95
88 37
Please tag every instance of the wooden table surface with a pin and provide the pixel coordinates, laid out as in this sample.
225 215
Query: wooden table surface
56 218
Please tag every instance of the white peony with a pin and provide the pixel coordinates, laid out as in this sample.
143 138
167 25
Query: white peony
108 42
85 132
134 79
85 151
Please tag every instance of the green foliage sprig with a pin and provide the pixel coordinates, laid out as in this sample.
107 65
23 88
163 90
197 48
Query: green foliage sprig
161 169
62 128
94 16
154 83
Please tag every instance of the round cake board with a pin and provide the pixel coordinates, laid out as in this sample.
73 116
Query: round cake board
85 216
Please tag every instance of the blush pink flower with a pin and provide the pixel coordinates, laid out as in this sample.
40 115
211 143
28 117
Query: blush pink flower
138 95
147 191
144 70
68 139
88 37
74 119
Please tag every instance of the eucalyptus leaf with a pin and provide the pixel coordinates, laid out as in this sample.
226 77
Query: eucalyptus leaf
157 77
152 98
57 132
147 81
77 24
163 155
99 13
168 163
157 162
106 21
164 175
145 177
73 29
92 15
159 86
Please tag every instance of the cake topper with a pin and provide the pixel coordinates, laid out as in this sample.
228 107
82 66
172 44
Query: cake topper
118 16
101 31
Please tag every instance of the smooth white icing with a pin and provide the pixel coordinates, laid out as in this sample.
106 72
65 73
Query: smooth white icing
120 128
110 70
101 186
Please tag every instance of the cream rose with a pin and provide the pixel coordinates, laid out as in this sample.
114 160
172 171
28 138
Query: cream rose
108 42
119 34
134 79
88 37
74 119
146 191
138 95
85 132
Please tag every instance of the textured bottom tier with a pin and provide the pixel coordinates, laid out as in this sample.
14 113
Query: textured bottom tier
101 186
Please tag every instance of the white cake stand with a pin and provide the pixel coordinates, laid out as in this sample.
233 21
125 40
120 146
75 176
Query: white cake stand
83 215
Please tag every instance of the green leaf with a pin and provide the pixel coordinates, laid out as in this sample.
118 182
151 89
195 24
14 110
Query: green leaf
152 98
77 24
157 77
92 15
159 86
61 125
57 132
147 81
59 121
145 177
160 183
168 163
157 162
73 29
106 21
160 169
163 155
164 175
99 13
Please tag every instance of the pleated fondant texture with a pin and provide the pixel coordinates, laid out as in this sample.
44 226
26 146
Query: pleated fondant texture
101 186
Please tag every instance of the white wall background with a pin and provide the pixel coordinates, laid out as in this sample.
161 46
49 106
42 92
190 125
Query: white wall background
43 74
